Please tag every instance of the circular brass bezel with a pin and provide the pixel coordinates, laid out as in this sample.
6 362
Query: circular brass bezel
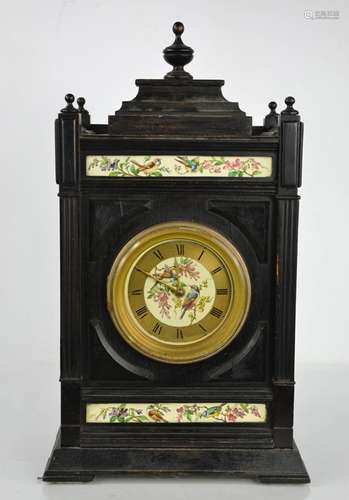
175 352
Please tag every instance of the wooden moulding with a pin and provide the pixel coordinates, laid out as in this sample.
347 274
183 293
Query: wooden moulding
265 465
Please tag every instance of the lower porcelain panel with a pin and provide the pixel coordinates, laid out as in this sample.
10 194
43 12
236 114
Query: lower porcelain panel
174 413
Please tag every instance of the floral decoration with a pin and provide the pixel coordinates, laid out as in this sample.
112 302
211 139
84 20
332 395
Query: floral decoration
184 275
124 413
177 166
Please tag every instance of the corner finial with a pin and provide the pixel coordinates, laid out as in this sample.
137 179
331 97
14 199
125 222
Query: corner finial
272 106
272 119
84 115
178 54
69 108
289 101
81 103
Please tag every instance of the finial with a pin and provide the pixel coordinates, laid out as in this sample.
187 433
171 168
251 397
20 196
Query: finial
272 106
69 99
272 119
81 103
178 54
289 101
84 115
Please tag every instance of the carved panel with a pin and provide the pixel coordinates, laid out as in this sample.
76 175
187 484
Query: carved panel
106 225
251 218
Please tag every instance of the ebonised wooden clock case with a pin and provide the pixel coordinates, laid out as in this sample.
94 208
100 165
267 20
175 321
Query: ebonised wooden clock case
185 118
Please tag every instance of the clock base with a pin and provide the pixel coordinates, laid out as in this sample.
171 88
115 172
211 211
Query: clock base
275 465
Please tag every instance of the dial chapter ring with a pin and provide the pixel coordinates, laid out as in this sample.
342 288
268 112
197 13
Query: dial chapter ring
149 345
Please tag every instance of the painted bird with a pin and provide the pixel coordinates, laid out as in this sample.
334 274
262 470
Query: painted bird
190 299
149 164
170 273
156 415
166 272
189 164
213 411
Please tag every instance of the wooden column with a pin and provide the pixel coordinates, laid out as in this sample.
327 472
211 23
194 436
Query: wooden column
291 131
67 130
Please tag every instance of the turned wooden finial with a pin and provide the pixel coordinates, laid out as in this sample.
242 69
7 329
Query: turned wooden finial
69 108
178 54
289 101
81 103
272 118
83 113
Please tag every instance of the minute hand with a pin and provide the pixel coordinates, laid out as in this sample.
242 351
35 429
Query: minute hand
170 287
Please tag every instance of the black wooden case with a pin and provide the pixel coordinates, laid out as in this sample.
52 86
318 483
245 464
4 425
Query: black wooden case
181 116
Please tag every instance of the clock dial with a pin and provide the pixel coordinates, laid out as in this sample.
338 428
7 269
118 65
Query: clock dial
173 294
178 292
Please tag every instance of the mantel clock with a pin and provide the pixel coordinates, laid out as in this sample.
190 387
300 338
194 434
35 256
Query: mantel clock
178 284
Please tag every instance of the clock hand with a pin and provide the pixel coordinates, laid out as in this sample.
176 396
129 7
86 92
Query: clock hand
177 274
170 287
179 286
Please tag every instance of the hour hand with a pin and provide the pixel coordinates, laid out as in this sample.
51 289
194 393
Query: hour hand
177 274
170 287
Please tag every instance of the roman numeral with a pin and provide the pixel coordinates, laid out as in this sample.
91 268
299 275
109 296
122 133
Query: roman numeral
179 333
217 313
142 312
202 253
137 292
202 328
222 291
180 249
216 270
157 328
158 254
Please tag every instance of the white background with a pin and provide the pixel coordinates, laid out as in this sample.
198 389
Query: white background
265 51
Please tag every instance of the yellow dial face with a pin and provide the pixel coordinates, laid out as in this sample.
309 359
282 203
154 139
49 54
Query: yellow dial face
178 292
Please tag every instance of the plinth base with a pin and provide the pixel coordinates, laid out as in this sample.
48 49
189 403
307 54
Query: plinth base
274 465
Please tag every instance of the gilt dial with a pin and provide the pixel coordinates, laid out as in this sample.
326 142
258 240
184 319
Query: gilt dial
178 292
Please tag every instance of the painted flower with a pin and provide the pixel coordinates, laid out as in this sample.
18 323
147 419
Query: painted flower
204 299
255 164
215 170
161 297
187 268
180 413
239 412
233 164
255 412
230 415
118 412
207 164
